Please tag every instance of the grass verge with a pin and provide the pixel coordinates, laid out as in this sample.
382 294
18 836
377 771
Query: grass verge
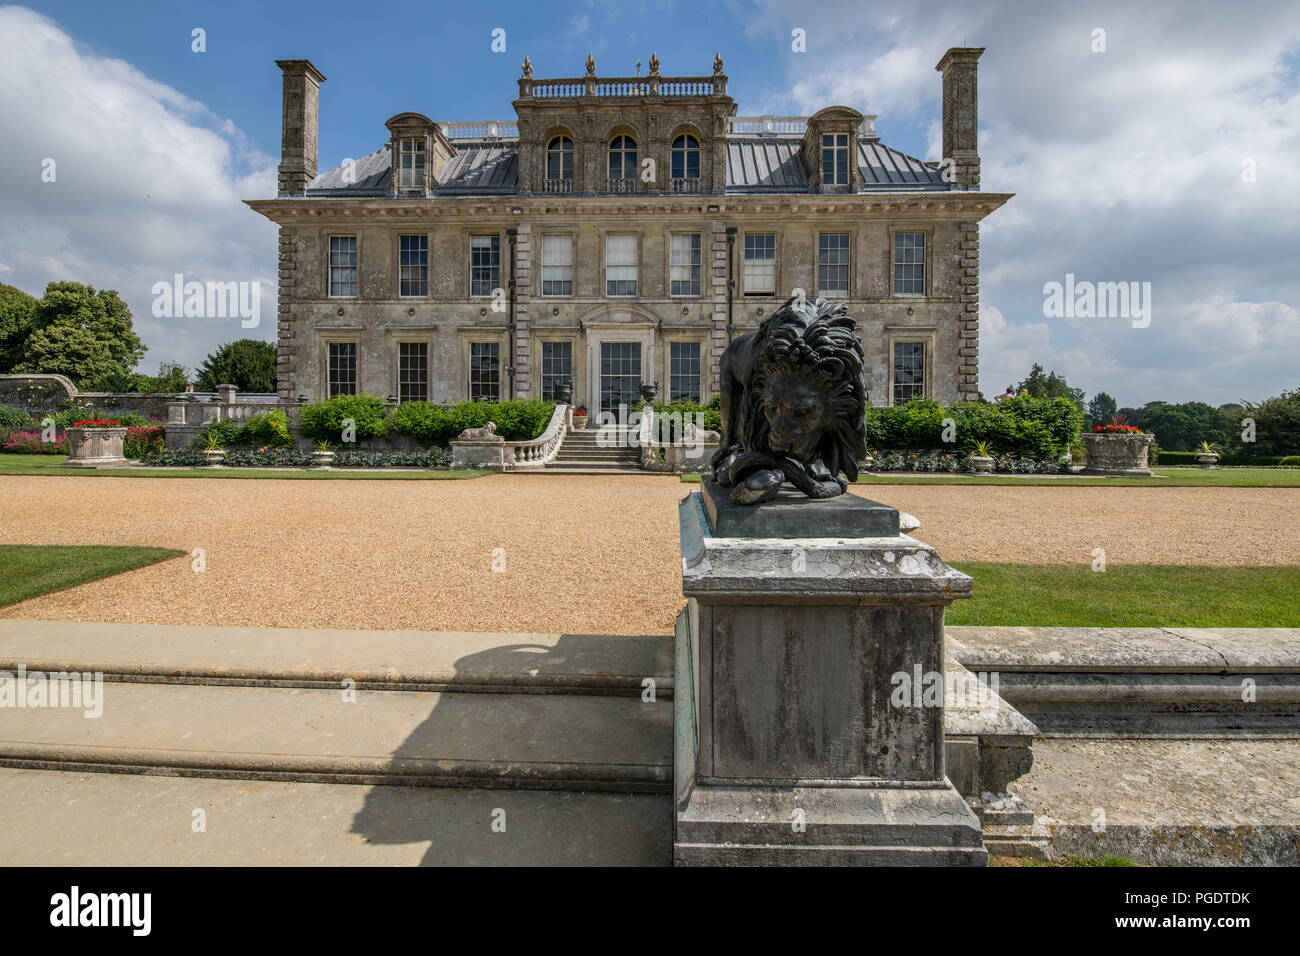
29 570
51 465
1178 477
1136 595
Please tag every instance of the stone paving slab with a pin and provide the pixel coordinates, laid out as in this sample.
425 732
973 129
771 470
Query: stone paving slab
1144 649
426 660
101 819
522 740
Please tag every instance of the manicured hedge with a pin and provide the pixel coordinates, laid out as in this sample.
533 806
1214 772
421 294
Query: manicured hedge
324 420
1040 429
437 425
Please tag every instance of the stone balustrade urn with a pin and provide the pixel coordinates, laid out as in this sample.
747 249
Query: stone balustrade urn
95 447
1117 453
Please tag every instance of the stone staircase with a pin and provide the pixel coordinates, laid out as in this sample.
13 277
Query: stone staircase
581 453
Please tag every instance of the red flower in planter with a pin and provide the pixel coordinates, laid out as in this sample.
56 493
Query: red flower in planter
98 423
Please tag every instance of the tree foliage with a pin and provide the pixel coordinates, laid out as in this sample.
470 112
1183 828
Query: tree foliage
79 332
17 310
1040 384
247 364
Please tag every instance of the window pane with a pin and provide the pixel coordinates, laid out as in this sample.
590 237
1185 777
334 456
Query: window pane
484 264
684 371
909 371
343 265
411 170
758 270
684 265
484 371
342 371
833 263
557 265
413 371
909 263
557 367
620 265
413 268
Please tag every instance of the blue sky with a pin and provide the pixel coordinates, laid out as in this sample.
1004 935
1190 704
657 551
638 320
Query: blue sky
1126 163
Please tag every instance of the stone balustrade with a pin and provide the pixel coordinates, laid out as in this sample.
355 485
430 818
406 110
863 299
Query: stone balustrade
497 454
677 454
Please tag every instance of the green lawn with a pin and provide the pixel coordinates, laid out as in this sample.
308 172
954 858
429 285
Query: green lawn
52 465
1141 595
27 570
1173 477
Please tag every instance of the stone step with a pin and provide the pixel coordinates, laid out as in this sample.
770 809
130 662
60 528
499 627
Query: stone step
514 741
595 467
113 819
592 664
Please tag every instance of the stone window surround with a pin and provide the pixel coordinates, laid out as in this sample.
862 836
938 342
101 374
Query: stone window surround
418 334
338 335
469 337
577 367
397 263
833 228
902 334
706 272
551 134
927 229
624 129
566 229
467 235
602 232
638 327
341 235
777 285
689 129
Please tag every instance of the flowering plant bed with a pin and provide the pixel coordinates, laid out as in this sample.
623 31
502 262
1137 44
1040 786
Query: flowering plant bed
28 442
1116 429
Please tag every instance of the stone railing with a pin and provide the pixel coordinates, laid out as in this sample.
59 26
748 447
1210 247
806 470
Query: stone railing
497 454
785 126
622 86
687 454
485 129
188 414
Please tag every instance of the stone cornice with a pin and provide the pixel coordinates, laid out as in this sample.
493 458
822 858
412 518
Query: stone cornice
958 204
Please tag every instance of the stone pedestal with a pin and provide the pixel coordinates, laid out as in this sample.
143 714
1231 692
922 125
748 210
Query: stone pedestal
95 447
809 688
1117 453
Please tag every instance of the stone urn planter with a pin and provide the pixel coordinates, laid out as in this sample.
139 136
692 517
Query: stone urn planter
579 419
983 464
1117 453
95 446
1207 460
214 456
322 457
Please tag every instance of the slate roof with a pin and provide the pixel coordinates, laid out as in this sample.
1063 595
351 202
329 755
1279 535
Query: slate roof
755 164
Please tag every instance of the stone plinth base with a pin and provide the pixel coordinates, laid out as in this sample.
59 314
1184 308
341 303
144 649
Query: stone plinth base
1121 453
810 689
827 826
480 454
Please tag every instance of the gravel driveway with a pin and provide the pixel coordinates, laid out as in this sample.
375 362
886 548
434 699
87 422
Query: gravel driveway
584 554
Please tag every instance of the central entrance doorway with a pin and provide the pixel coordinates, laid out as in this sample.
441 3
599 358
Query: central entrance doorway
620 374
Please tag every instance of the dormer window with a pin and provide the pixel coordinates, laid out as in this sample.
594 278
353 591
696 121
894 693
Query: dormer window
559 165
835 159
686 164
622 165
411 171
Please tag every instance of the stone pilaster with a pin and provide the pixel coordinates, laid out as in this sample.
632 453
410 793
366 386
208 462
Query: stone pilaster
286 352
523 296
968 323
718 276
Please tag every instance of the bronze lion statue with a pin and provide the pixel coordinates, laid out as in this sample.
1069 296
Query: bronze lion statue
793 401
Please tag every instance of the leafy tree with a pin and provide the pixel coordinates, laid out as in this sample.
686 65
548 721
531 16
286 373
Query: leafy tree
171 377
81 333
17 309
1183 426
247 364
1100 410
1040 384
1277 426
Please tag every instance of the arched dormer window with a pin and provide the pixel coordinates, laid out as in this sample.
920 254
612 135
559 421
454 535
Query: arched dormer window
622 165
559 165
686 164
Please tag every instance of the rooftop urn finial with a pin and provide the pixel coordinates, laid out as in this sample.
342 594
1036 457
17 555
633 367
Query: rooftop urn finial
528 67
654 64
591 65
717 63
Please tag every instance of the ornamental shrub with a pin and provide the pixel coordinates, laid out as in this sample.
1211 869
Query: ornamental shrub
228 433
269 430
11 417
29 443
142 441
1039 428
324 419
432 424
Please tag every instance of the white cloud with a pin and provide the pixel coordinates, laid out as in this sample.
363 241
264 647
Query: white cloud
148 183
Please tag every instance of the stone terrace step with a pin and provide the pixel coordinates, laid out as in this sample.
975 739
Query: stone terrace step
513 741
593 664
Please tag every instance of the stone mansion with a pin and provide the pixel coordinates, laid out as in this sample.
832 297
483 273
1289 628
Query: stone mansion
620 232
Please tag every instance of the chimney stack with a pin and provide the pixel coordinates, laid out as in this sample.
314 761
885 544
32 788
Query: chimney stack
959 67
298 137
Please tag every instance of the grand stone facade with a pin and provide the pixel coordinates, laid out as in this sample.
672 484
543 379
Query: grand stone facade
620 232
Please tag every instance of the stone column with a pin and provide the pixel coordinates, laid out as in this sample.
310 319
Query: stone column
809 688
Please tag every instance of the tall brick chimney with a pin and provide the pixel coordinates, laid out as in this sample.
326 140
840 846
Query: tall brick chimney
298 138
959 67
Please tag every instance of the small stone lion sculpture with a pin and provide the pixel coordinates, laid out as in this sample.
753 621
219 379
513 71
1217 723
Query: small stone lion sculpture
704 436
794 399
487 433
